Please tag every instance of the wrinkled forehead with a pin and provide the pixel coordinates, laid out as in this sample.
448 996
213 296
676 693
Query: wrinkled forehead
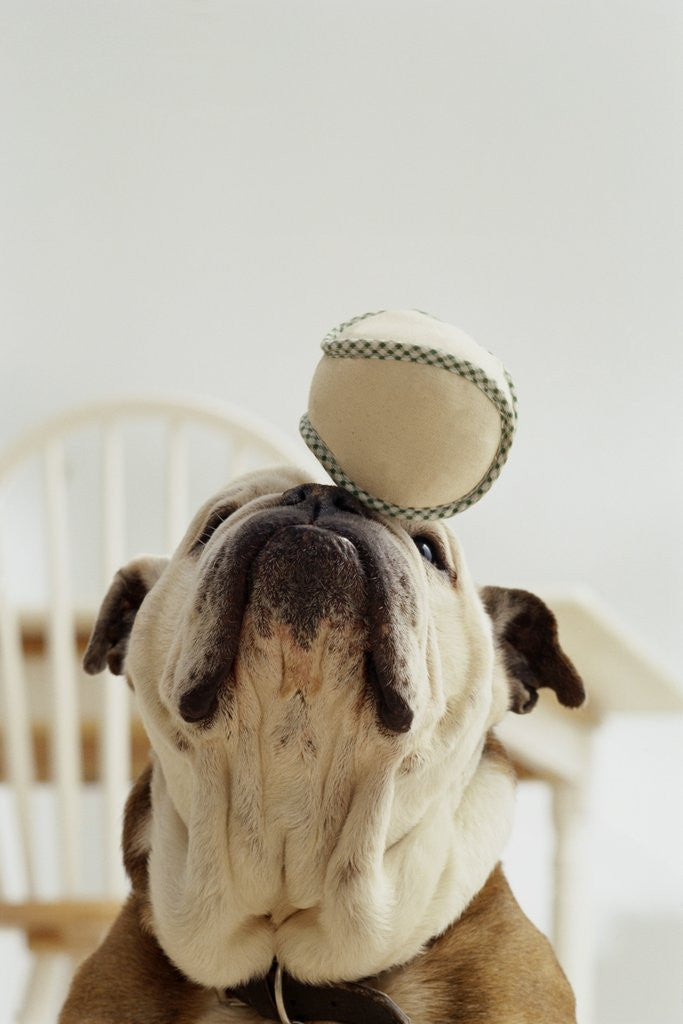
269 484
260 483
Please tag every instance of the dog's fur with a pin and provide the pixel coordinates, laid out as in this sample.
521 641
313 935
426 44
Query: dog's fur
325 786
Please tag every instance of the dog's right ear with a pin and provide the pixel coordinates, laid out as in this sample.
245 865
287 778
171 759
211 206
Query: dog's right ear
109 639
525 631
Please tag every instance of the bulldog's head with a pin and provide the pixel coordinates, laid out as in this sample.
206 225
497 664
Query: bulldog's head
312 598
318 682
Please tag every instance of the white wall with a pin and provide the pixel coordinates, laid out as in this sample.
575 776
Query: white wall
192 193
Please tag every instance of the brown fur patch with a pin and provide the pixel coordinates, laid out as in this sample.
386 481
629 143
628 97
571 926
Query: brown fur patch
492 966
136 819
129 980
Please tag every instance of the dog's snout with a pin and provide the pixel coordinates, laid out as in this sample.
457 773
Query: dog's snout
322 499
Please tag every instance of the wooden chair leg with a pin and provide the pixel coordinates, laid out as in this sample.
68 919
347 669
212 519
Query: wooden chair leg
572 923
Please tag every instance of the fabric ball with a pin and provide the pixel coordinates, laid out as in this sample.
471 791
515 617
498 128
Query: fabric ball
409 414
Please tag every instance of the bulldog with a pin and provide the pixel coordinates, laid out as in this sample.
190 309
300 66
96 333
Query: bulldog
318 834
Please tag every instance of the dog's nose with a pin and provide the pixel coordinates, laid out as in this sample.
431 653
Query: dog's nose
323 499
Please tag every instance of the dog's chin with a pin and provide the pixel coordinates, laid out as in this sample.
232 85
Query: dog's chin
305 579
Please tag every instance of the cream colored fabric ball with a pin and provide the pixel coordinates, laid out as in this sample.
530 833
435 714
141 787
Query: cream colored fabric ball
409 414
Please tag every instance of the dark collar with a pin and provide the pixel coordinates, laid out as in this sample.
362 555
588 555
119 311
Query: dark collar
347 1002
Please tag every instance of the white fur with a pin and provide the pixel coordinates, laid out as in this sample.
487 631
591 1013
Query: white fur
294 828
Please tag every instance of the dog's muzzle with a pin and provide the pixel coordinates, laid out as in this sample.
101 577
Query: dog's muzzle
317 552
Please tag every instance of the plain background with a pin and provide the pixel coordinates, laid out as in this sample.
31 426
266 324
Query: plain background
192 193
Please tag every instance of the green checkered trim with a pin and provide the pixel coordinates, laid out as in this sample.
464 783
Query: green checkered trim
369 348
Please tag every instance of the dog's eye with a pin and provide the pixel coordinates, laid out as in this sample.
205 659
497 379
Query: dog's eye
218 516
425 549
429 550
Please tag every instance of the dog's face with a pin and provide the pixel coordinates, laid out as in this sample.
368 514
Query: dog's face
318 683
310 600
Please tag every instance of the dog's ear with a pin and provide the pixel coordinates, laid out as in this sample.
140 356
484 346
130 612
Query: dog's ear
109 639
525 631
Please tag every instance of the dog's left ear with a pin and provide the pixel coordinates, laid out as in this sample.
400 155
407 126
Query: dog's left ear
526 634
109 639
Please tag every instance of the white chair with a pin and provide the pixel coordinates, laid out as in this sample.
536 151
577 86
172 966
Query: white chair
63 882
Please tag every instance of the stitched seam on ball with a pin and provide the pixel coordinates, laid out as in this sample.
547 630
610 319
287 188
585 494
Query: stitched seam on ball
340 328
329 462
399 351
336 331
